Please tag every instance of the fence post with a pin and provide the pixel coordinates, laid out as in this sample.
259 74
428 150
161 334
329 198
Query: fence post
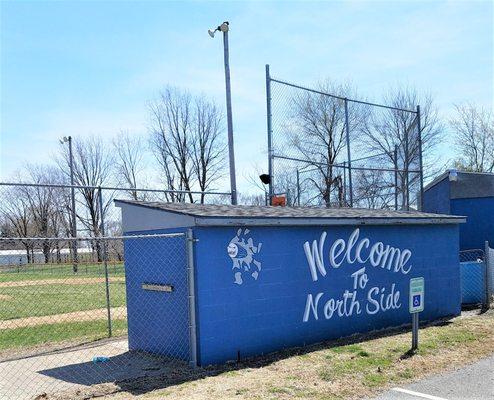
395 159
270 139
406 166
419 128
105 260
192 298
344 184
488 274
347 129
298 187
73 226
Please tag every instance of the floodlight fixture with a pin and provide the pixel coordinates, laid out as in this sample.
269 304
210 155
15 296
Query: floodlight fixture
224 27
265 178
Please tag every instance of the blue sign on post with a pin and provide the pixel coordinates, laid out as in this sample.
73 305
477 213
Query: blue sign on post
416 305
416 295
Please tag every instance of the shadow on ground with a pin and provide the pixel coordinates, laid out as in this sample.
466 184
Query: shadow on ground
127 366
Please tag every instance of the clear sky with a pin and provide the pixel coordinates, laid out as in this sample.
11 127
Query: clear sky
89 68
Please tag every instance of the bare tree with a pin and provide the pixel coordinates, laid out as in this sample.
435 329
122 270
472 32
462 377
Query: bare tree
474 138
92 168
130 163
208 147
16 213
388 129
41 202
373 189
186 140
317 134
250 199
171 139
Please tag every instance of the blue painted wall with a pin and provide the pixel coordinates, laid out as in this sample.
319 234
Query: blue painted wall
158 322
480 221
266 314
436 198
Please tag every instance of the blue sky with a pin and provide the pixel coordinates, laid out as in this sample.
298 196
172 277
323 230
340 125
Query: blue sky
89 68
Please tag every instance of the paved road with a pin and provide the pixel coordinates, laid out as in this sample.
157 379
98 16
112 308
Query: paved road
473 382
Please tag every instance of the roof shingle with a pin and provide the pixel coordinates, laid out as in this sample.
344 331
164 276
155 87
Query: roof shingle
242 211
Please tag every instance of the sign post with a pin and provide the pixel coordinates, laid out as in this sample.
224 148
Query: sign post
416 305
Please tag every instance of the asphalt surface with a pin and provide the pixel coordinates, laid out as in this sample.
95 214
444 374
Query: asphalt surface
472 382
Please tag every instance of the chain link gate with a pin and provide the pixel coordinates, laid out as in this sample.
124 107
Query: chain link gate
67 324
474 271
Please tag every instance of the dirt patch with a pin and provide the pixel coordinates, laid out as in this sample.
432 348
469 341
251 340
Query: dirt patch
5 297
77 316
60 281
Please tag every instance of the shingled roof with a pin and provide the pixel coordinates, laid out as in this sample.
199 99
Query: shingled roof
293 213
467 184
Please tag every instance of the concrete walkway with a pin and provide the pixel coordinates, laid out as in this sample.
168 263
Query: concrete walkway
72 369
472 382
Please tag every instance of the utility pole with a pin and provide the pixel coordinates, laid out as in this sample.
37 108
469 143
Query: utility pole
224 27
72 198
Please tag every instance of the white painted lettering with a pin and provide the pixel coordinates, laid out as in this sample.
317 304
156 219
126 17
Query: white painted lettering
310 306
315 257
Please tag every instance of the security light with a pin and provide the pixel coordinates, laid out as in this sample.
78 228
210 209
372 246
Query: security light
224 27
265 178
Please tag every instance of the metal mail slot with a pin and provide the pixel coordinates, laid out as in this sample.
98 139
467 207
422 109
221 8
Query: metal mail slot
157 287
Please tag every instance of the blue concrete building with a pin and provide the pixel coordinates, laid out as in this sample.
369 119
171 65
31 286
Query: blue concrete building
469 194
267 278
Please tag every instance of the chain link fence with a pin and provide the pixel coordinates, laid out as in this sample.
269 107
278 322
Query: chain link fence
121 310
475 271
489 262
328 150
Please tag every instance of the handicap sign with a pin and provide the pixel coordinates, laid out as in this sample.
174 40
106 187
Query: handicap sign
416 295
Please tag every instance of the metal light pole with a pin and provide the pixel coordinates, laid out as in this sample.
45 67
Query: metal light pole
224 27
72 196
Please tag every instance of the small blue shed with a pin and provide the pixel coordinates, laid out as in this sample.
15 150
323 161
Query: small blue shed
267 278
470 194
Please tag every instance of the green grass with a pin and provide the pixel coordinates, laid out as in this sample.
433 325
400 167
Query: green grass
39 300
56 333
55 271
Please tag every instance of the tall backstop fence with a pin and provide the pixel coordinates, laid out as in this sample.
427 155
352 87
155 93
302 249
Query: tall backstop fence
328 150
62 330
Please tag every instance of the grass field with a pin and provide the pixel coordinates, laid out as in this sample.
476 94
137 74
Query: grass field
330 371
53 291
51 271
58 333
38 300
